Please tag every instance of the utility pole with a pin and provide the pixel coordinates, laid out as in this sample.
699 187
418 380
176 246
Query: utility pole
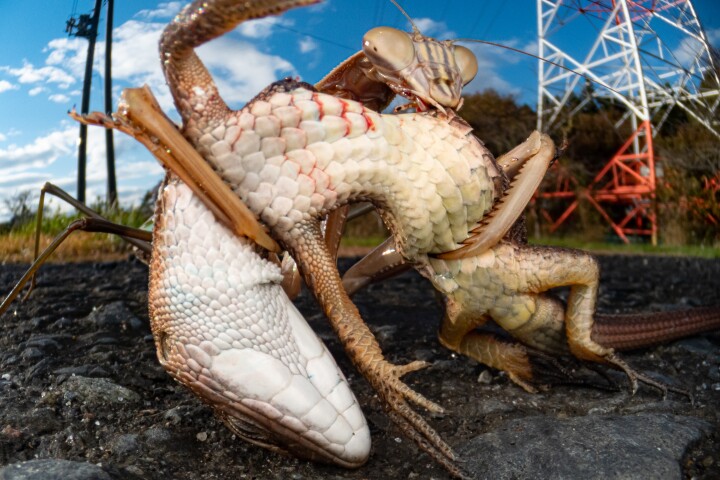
109 146
86 26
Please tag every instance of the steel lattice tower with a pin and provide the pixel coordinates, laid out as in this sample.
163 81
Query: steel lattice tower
654 55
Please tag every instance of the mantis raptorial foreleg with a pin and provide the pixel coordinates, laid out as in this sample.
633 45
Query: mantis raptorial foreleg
142 243
95 224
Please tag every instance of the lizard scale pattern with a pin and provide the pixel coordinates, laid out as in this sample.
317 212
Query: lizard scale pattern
224 327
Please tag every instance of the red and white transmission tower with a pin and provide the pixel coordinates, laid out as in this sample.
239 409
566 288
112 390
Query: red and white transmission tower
654 55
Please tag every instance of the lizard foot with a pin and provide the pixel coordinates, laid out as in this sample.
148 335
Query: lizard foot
634 377
395 396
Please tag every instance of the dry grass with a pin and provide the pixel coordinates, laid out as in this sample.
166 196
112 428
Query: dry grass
78 247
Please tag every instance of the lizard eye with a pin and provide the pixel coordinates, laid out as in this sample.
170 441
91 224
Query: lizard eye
466 62
388 48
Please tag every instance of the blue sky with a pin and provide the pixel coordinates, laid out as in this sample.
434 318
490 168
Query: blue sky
41 70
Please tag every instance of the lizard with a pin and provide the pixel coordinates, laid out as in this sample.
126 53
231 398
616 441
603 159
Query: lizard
475 282
167 340
294 155
292 183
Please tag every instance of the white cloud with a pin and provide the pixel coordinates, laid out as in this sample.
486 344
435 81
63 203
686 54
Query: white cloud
240 70
27 167
262 27
135 56
68 53
163 10
59 98
490 59
13 132
36 91
136 60
40 153
713 35
307 44
430 27
687 51
5 86
3 137
28 73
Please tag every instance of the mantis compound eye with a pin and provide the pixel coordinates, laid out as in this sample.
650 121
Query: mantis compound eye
388 48
466 62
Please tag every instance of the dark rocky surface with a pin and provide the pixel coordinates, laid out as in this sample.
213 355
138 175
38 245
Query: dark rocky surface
82 395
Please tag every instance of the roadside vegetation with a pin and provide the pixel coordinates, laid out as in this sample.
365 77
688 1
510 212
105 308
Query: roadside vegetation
688 194
17 237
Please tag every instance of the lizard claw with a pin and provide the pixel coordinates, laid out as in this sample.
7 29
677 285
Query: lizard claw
395 396
635 377
549 371
397 371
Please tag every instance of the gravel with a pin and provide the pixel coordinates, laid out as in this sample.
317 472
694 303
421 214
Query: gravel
82 395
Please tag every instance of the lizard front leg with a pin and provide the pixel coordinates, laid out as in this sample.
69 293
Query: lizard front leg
458 333
307 244
470 303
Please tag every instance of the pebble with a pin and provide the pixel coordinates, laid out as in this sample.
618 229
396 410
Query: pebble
155 435
485 377
32 353
51 469
97 391
115 316
385 333
174 416
63 323
125 444
48 343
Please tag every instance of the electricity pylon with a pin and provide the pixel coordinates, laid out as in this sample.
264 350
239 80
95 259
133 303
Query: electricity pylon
648 56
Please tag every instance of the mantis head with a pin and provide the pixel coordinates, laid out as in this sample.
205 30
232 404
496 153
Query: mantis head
422 69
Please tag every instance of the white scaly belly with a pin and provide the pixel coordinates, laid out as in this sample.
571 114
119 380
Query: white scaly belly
225 328
292 156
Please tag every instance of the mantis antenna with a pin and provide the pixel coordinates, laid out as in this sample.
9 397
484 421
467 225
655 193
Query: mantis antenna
517 50
415 28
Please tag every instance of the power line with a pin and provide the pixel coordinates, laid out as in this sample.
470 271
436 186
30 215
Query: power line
317 37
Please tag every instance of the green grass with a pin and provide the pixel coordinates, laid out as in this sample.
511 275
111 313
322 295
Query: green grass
577 243
370 241
629 249
55 221
17 243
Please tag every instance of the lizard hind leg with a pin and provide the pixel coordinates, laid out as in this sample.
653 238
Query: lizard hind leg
529 368
549 268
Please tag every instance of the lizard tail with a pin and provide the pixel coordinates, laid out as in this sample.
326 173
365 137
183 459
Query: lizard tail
639 330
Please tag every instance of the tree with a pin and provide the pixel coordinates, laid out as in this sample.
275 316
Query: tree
498 120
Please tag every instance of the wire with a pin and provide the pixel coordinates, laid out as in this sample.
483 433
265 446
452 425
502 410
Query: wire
517 50
316 37
495 17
